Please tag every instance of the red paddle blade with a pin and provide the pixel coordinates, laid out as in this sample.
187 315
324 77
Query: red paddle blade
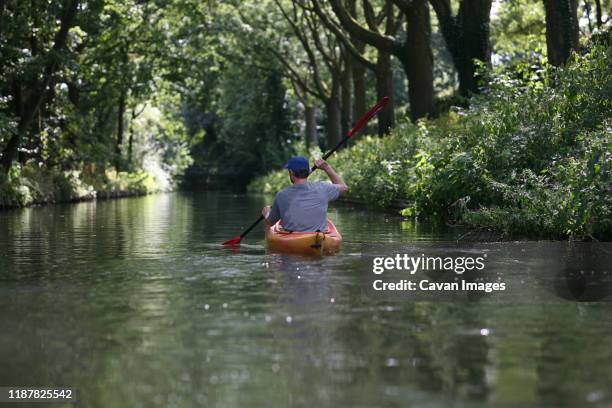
233 241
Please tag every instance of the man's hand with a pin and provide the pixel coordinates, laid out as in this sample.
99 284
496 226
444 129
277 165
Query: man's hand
335 178
266 211
322 164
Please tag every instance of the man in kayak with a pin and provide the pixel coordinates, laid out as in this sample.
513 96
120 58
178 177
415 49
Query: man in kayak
302 207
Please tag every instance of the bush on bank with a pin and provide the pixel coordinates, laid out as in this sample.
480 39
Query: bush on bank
29 184
530 156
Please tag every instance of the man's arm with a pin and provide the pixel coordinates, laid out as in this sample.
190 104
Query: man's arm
271 214
266 213
333 176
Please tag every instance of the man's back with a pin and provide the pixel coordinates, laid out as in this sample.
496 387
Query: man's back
303 207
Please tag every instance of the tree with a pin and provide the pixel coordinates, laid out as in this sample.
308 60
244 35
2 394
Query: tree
29 95
256 131
414 52
467 37
234 91
323 74
310 114
561 30
382 67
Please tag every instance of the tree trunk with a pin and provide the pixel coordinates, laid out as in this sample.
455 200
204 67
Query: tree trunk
346 94
359 90
333 128
37 94
332 108
359 71
384 87
74 93
467 38
131 138
598 20
119 142
311 126
417 60
473 37
561 30
2 24
414 53
10 150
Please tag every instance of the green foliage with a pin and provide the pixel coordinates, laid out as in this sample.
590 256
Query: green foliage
124 183
518 29
161 143
112 71
32 184
530 156
256 133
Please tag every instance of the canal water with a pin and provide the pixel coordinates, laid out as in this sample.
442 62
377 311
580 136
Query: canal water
133 303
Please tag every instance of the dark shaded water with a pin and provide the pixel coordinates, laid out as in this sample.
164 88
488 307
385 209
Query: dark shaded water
134 303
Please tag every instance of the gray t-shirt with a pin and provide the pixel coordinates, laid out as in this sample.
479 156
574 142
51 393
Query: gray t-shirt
303 207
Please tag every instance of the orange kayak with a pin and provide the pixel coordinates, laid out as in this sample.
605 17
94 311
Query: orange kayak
304 243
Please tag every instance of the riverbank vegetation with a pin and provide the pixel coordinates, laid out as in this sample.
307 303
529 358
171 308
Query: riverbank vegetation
531 155
499 113
87 107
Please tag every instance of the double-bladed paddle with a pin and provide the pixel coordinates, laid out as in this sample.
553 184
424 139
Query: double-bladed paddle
360 123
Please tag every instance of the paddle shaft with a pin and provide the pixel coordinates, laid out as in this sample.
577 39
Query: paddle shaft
246 231
360 123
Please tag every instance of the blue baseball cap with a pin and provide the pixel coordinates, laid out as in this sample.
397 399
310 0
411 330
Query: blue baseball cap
297 163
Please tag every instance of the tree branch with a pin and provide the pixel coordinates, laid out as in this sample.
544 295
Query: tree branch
382 42
329 60
323 90
292 73
368 12
441 7
342 37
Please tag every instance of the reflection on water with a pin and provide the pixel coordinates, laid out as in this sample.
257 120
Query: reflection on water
134 303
